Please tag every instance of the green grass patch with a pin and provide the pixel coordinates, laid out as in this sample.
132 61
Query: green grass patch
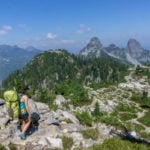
2 147
145 135
67 142
125 95
12 146
142 99
126 108
134 127
118 144
73 90
103 84
90 133
111 120
85 118
127 116
123 108
146 119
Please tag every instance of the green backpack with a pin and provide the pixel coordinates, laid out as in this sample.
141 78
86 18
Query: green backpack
12 104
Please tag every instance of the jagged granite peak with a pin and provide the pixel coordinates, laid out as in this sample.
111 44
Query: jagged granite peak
134 53
134 48
92 49
94 43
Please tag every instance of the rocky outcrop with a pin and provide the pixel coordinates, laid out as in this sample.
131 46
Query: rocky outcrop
52 127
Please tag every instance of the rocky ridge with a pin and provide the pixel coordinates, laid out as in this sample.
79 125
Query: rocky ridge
133 54
54 125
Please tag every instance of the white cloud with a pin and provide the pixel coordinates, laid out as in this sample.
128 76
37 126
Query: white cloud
83 29
67 41
51 35
2 32
5 30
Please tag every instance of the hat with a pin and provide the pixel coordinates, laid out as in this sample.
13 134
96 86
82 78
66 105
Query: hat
25 87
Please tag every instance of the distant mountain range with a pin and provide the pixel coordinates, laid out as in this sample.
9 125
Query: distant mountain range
133 53
13 58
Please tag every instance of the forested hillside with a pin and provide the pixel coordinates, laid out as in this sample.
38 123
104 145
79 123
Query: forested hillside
51 71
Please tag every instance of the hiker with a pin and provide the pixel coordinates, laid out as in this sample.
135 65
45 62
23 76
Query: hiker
25 115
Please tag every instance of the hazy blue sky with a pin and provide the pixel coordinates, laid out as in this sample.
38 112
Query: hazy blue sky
69 24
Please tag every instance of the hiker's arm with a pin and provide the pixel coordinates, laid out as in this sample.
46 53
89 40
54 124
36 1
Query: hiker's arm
26 105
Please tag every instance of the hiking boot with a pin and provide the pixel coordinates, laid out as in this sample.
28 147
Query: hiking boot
22 136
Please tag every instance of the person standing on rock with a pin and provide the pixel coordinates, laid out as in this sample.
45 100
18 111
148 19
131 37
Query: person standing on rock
25 115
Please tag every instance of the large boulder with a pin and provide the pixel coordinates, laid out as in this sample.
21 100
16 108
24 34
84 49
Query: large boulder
59 100
42 108
33 106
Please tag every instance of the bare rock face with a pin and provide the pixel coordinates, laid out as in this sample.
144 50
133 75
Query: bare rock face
94 44
33 106
134 48
92 49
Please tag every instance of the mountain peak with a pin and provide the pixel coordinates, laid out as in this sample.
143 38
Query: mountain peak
95 43
134 48
92 49
134 45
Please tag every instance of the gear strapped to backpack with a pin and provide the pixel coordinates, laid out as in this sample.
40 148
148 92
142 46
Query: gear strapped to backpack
12 105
